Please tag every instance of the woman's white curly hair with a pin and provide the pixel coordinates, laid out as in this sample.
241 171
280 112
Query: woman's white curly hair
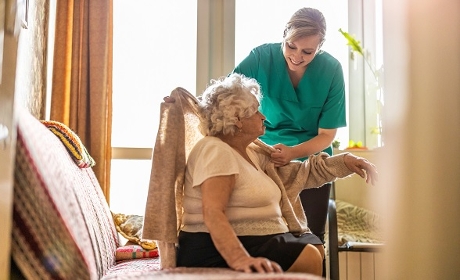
225 101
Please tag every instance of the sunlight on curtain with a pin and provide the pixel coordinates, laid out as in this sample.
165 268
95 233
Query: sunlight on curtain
262 21
154 49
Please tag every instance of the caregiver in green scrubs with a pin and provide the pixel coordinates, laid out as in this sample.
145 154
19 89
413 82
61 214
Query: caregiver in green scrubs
303 98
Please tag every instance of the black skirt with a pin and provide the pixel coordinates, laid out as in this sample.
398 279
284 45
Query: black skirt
198 250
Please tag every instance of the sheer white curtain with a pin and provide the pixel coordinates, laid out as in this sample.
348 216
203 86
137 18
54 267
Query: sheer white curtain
154 52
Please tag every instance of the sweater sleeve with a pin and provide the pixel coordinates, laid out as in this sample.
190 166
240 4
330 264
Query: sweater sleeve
313 173
323 168
296 176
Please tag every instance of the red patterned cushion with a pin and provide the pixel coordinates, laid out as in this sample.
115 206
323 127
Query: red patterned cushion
134 252
62 226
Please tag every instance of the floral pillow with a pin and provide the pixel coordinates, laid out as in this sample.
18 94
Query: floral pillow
130 227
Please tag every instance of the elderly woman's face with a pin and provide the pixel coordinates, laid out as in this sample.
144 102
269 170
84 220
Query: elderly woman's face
254 125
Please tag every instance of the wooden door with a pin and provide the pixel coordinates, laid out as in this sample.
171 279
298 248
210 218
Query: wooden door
9 28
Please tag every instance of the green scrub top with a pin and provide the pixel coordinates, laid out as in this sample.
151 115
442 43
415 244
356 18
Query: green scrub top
295 114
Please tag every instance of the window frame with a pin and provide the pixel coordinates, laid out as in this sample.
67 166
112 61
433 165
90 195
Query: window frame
362 108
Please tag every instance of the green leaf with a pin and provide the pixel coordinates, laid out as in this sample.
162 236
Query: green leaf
352 42
375 130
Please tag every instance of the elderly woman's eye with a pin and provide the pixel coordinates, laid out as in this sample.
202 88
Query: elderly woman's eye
291 46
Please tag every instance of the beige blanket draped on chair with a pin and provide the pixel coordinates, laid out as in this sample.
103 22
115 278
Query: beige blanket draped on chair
177 134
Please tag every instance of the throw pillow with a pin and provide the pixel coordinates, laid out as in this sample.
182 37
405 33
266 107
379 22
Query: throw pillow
71 142
129 252
130 227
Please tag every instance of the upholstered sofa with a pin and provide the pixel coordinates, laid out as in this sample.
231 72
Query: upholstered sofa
63 227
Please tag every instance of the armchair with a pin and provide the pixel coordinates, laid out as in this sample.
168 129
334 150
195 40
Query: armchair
177 134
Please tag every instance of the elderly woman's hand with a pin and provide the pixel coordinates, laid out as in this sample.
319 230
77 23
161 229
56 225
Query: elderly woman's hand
260 265
169 99
362 167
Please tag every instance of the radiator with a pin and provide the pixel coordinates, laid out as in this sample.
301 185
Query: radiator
360 266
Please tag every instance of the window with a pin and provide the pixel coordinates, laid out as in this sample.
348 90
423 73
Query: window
155 50
366 97
154 46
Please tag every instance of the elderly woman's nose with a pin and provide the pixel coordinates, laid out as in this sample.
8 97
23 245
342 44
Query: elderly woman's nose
261 115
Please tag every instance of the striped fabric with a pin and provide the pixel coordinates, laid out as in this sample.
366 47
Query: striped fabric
128 252
50 237
62 226
196 273
72 143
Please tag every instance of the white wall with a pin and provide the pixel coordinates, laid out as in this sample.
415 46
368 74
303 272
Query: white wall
354 189
420 178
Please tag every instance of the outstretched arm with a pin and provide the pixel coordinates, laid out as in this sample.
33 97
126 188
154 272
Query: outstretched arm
322 168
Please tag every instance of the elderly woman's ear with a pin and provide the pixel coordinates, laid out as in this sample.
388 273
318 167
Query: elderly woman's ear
169 99
238 123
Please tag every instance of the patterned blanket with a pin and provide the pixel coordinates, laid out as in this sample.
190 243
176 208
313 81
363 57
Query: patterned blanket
356 224
71 142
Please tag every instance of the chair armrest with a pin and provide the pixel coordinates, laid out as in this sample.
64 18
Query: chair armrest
361 247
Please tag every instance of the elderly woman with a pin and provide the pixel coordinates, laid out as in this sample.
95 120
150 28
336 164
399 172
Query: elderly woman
232 208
